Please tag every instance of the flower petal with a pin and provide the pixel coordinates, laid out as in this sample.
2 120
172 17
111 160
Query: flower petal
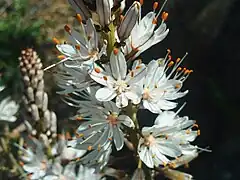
118 64
105 94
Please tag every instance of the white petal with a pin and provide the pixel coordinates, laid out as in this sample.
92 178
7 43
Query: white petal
118 138
126 120
146 156
151 106
105 94
118 64
121 101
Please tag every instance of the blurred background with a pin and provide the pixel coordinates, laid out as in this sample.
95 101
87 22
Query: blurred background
207 29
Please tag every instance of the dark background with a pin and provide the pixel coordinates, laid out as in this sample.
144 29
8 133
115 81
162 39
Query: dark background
209 31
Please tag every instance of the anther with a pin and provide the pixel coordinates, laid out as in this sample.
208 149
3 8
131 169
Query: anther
177 86
79 18
178 60
89 148
67 28
170 63
155 5
121 18
79 118
141 2
115 51
97 70
78 47
61 57
198 132
179 69
56 41
105 78
154 21
164 16
168 51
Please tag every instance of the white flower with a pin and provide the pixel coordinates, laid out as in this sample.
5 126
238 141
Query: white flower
160 87
102 126
117 83
83 47
170 136
8 108
146 33
35 162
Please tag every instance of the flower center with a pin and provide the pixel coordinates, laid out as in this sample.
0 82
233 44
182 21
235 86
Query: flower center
146 95
149 140
120 86
112 119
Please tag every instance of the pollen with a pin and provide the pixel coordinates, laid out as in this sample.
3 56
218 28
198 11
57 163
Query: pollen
79 18
155 5
56 41
154 21
61 57
115 51
67 28
97 70
164 16
78 47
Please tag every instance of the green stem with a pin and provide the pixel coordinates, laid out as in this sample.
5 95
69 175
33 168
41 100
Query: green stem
111 39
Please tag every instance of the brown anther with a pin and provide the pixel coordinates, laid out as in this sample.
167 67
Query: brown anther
89 148
141 2
110 139
97 70
56 41
195 125
178 60
79 118
186 72
155 5
164 16
166 136
115 51
61 57
78 47
168 51
198 132
122 18
179 69
138 67
79 18
131 73
105 78
170 63
155 86
177 86
67 28
154 21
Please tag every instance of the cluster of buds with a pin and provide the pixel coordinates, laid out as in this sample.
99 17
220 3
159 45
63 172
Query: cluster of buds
43 121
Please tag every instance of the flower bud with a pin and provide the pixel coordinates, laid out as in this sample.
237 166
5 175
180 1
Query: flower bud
104 11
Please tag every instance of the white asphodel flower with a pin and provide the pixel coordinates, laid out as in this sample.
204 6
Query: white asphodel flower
83 47
8 109
162 84
169 137
102 126
35 162
117 82
68 172
146 33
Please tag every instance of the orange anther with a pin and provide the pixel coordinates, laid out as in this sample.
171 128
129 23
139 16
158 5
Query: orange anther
155 5
21 163
190 71
61 57
121 18
132 73
89 148
195 125
110 139
188 131
170 63
177 86
79 118
154 21
56 41
141 2
186 72
178 60
164 16
138 67
115 51
67 28
79 18
105 78
78 47
97 70
198 132
179 69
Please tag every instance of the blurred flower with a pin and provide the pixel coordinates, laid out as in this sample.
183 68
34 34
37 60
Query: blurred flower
160 86
8 109
169 136
117 83
104 125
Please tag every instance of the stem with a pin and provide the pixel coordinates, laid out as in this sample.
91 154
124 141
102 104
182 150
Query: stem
110 39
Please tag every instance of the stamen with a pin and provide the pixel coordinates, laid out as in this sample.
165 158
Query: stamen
79 118
155 5
97 70
198 132
67 28
115 51
141 2
89 148
161 9
78 47
154 21
61 57
164 16
105 78
79 18
170 63
56 41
